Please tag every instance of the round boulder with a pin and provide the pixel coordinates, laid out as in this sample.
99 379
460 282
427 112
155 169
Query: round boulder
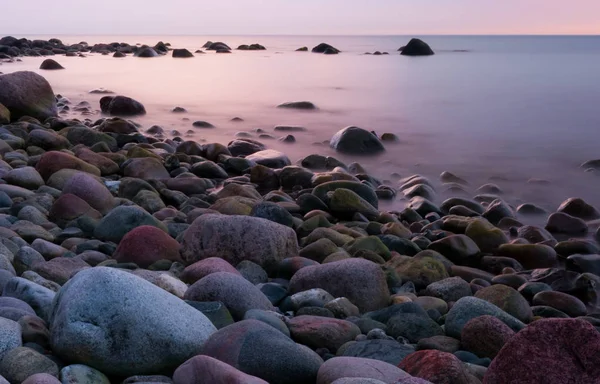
146 245
123 325
121 106
50 64
356 141
27 94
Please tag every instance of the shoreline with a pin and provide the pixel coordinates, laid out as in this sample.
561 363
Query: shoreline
136 253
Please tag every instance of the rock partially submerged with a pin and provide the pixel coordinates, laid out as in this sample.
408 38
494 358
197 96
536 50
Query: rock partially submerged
50 64
121 106
27 94
356 141
326 49
303 105
416 47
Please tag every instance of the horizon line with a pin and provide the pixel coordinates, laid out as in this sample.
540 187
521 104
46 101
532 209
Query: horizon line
313 35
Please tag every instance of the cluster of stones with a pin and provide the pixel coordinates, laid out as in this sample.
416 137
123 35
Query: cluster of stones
127 258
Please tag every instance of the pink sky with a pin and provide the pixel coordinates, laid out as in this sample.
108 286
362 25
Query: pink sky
310 17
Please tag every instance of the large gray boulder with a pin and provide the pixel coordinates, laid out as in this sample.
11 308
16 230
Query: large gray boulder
27 94
356 141
238 238
123 325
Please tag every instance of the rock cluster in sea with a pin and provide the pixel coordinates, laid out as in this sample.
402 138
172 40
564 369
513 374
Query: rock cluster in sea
129 258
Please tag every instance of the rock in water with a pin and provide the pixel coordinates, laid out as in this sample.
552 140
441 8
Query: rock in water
121 106
260 350
50 64
556 351
306 105
123 325
417 47
147 52
238 238
27 94
325 48
356 141
182 53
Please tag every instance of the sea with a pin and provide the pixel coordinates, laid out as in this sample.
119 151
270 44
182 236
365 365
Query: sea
522 112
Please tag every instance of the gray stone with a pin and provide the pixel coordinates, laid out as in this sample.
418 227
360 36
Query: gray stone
38 297
119 221
122 325
259 350
82 374
389 351
344 367
238 294
469 308
10 335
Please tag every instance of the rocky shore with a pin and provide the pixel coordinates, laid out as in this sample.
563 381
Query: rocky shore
129 257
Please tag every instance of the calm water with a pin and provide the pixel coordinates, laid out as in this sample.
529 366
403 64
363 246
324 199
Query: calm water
510 107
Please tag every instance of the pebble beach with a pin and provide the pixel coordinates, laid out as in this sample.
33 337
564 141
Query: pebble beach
134 253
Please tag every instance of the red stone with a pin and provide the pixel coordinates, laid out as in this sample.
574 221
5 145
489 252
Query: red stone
438 367
549 351
202 268
146 245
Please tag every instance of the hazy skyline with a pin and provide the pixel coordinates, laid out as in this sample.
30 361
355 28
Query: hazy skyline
308 17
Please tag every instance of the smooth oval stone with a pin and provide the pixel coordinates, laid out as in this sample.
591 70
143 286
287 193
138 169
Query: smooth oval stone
344 367
258 349
564 302
114 321
208 370
82 374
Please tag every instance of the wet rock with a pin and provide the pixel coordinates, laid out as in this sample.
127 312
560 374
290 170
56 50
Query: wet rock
563 223
146 52
112 321
121 106
302 105
182 53
269 158
459 249
577 207
50 64
27 94
325 48
356 141
416 47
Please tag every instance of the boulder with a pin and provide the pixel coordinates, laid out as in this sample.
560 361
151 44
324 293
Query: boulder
237 293
389 351
20 363
121 106
325 48
201 368
359 280
123 325
507 299
146 245
260 350
146 52
557 351
270 158
356 141
202 268
4 115
485 336
238 238
416 47
182 53
50 64
27 94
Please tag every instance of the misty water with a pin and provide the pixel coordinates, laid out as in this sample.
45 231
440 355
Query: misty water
489 109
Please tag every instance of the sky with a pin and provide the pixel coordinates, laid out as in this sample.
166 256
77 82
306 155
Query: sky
299 17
